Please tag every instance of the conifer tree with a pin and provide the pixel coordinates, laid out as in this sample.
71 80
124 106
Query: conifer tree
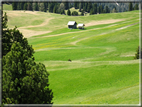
23 80
130 6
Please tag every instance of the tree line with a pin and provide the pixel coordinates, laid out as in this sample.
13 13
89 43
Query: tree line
84 7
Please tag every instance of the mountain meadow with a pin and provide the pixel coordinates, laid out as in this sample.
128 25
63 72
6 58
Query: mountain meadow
94 65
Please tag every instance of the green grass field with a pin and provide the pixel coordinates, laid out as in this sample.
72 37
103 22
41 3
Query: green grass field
102 70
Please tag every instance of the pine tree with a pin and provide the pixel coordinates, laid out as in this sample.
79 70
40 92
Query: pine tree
14 6
106 9
138 54
136 7
68 12
23 79
82 13
130 6
25 6
66 5
75 5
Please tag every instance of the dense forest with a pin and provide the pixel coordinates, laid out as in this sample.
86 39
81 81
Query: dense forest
84 7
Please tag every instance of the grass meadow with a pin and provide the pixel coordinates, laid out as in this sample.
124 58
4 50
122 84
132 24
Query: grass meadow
102 68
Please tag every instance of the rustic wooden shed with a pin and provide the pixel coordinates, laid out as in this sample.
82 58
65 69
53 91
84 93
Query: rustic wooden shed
72 25
80 26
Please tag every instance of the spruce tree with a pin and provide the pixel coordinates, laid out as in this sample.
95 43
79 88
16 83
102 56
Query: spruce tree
136 7
23 80
130 6
14 6
68 12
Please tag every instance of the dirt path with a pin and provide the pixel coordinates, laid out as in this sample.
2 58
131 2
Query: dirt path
43 24
30 33
103 22
75 42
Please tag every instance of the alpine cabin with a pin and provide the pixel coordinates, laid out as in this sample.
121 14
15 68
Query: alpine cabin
72 25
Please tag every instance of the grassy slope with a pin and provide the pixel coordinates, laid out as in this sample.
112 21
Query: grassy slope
7 7
102 70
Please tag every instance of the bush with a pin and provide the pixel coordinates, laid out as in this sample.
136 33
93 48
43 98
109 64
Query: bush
138 53
74 13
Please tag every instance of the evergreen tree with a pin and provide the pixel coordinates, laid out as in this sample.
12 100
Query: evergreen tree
35 7
101 9
50 7
75 5
54 9
41 7
25 6
138 54
82 13
66 5
91 12
45 7
24 81
29 6
14 6
89 7
95 8
107 10
80 6
136 7
130 6
68 12
18 6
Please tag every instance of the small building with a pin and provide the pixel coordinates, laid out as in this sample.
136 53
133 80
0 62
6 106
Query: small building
72 25
81 26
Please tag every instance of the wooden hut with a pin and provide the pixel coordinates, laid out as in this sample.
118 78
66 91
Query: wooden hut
81 26
72 25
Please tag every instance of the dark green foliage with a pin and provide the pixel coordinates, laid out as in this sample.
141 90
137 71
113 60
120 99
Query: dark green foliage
50 7
98 10
138 53
74 13
130 6
91 12
136 7
66 4
107 10
80 6
23 81
55 9
89 7
94 8
14 6
35 6
82 13
4 21
11 35
101 9
29 6
76 5
68 12
25 6
69 60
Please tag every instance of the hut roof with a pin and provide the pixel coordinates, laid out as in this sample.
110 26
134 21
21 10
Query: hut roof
80 25
71 23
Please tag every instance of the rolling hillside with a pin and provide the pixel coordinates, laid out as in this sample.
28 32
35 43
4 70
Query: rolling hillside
102 70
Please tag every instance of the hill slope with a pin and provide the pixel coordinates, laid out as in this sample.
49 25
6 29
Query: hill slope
102 70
